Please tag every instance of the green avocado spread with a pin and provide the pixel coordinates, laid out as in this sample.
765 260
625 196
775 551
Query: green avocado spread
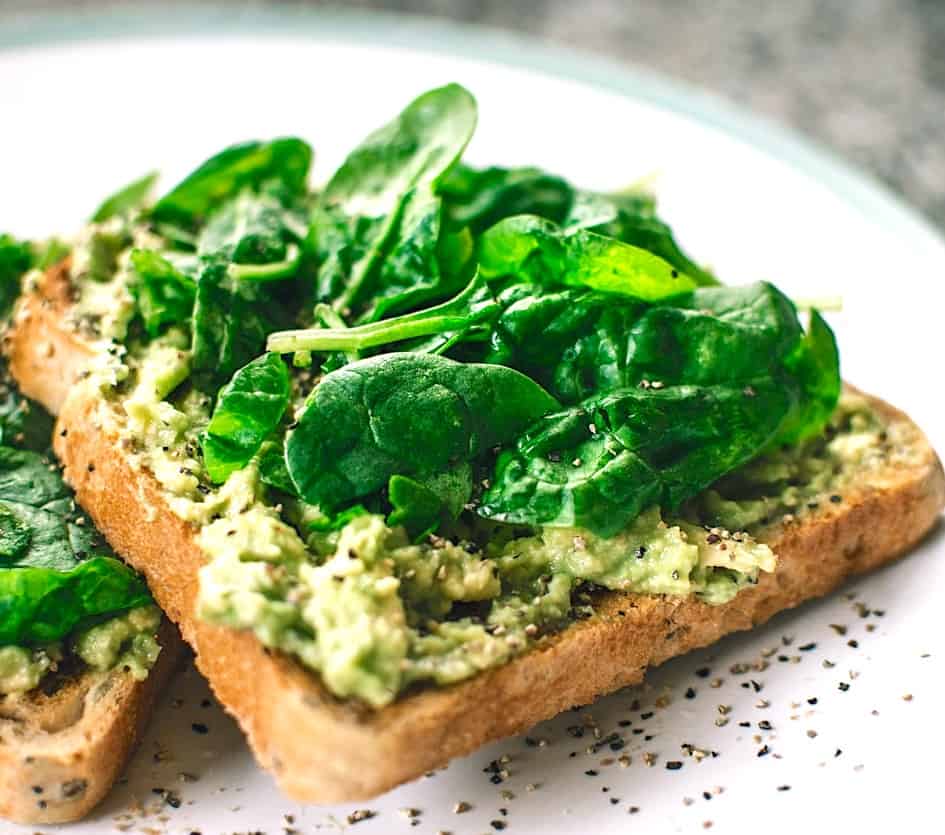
127 641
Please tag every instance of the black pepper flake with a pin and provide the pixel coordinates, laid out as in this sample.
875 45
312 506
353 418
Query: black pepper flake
812 700
625 723
673 765
765 725
744 724
756 686
690 692
37 789
808 647
495 779
498 825
591 772
784 788
647 715
614 801
838 752
763 751
199 728
836 499
853 643
703 672
844 686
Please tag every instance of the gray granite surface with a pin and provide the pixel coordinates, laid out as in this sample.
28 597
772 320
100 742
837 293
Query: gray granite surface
864 77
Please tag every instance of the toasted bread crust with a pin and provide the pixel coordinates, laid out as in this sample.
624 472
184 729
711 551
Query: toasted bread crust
324 750
60 753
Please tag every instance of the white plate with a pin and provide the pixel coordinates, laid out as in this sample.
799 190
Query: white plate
83 116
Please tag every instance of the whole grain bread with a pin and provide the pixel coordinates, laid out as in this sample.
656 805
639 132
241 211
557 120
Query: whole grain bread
64 744
325 750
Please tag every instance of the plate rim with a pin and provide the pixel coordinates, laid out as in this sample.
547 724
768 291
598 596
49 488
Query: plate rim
859 189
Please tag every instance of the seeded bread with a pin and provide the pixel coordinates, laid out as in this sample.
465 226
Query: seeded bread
64 744
325 750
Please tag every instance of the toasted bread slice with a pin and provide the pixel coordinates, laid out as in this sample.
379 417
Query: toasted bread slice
64 744
325 750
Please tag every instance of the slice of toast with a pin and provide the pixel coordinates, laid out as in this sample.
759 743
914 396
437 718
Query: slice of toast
63 744
325 750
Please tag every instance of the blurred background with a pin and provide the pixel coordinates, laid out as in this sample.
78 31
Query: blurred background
864 77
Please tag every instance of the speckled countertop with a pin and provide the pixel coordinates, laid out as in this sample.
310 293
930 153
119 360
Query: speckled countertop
864 77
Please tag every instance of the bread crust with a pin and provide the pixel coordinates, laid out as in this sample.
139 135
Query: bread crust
325 750
61 752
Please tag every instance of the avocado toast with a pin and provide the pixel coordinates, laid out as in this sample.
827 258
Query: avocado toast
83 649
508 446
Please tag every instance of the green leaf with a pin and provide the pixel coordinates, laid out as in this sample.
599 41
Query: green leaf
598 465
249 229
248 409
403 414
163 293
15 534
481 198
230 322
127 199
471 307
23 423
816 364
39 605
421 506
247 165
360 215
529 248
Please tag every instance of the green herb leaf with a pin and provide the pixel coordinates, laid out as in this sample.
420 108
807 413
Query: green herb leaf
530 248
15 534
127 199
360 216
164 294
403 414
249 229
598 465
230 321
16 257
248 409
247 165
39 605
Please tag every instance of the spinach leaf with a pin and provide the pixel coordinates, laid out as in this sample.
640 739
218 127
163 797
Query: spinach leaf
480 198
532 249
816 364
231 319
127 199
361 215
421 506
404 414
272 468
251 229
631 217
248 409
164 294
15 534
473 306
16 257
599 464
247 165
39 605
22 422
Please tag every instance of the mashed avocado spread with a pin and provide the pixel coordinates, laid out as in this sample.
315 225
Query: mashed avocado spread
125 641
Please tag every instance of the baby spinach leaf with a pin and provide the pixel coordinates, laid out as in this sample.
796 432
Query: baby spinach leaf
361 216
230 322
127 199
164 294
15 534
272 468
250 229
480 198
530 248
420 506
23 423
598 465
631 217
39 605
247 165
474 305
816 364
403 414
248 409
